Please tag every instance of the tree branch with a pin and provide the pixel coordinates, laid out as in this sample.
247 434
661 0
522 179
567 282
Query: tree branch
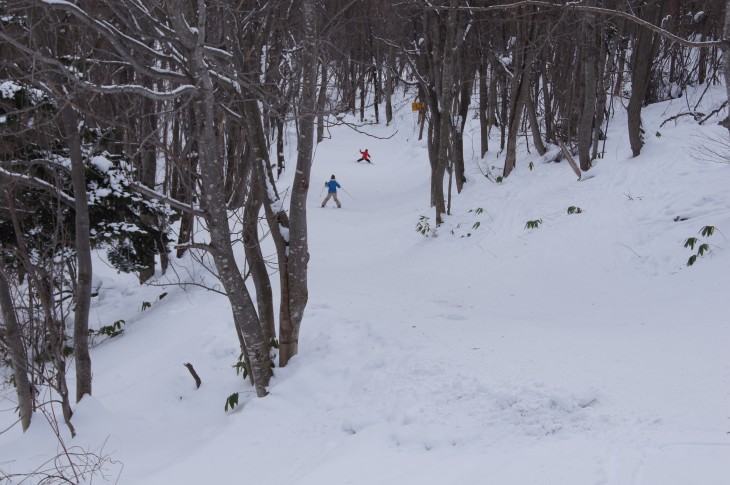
174 203
586 8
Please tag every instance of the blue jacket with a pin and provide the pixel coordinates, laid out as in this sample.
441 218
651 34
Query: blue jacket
332 186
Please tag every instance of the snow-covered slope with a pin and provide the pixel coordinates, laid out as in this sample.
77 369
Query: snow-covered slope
583 351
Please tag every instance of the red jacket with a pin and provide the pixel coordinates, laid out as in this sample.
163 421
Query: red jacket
365 154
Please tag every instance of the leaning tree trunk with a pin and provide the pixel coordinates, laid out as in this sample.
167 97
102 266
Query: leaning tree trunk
18 357
83 255
520 92
255 258
534 125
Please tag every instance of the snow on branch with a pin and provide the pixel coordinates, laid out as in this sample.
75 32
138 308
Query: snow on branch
141 90
37 183
174 203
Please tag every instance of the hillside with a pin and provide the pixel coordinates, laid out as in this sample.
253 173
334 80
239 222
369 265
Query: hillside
583 351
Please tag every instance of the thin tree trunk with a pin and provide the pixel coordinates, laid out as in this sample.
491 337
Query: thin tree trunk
279 146
148 172
534 126
298 244
83 255
213 202
547 105
520 91
321 103
585 129
388 91
503 123
642 57
458 135
446 104
17 353
361 85
484 126
726 58
604 77
255 258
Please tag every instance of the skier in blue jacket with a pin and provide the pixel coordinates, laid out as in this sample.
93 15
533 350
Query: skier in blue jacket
332 187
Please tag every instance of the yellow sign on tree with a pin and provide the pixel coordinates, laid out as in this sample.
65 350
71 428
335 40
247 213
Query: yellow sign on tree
418 106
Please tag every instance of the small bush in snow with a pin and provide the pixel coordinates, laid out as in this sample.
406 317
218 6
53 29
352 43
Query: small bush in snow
702 247
533 224
574 210
231 402
240 367
423 226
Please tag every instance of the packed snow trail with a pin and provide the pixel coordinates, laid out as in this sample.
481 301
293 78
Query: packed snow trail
580 352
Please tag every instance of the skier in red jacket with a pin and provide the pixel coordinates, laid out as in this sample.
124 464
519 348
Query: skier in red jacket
365 156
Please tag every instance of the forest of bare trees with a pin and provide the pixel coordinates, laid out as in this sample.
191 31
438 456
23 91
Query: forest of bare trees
142 127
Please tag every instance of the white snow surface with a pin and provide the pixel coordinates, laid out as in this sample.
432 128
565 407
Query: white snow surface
582 352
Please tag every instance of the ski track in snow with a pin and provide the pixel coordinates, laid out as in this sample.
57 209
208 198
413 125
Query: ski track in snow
582 352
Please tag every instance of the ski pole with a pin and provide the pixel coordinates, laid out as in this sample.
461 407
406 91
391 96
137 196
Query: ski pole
322 191
353 198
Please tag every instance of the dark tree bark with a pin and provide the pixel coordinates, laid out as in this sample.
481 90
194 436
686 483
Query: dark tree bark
83 254
298 244
18 356
321 100
641 61
726 58
534 125
585 128
213 198
519 92
484 126
255 259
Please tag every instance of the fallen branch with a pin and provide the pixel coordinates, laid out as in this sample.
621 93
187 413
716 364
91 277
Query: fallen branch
194 374
695 114
572 163
722 106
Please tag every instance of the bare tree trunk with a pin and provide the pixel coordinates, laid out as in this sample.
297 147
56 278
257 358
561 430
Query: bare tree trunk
585 129
445 104
389 90
547 105
534 126
321 103
298 245
503 122
17 353
214 203
255 258
726 57
606 60
458 134
83 255
361 86
279 146
276 216
484 126
520 92
147 124
641 60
